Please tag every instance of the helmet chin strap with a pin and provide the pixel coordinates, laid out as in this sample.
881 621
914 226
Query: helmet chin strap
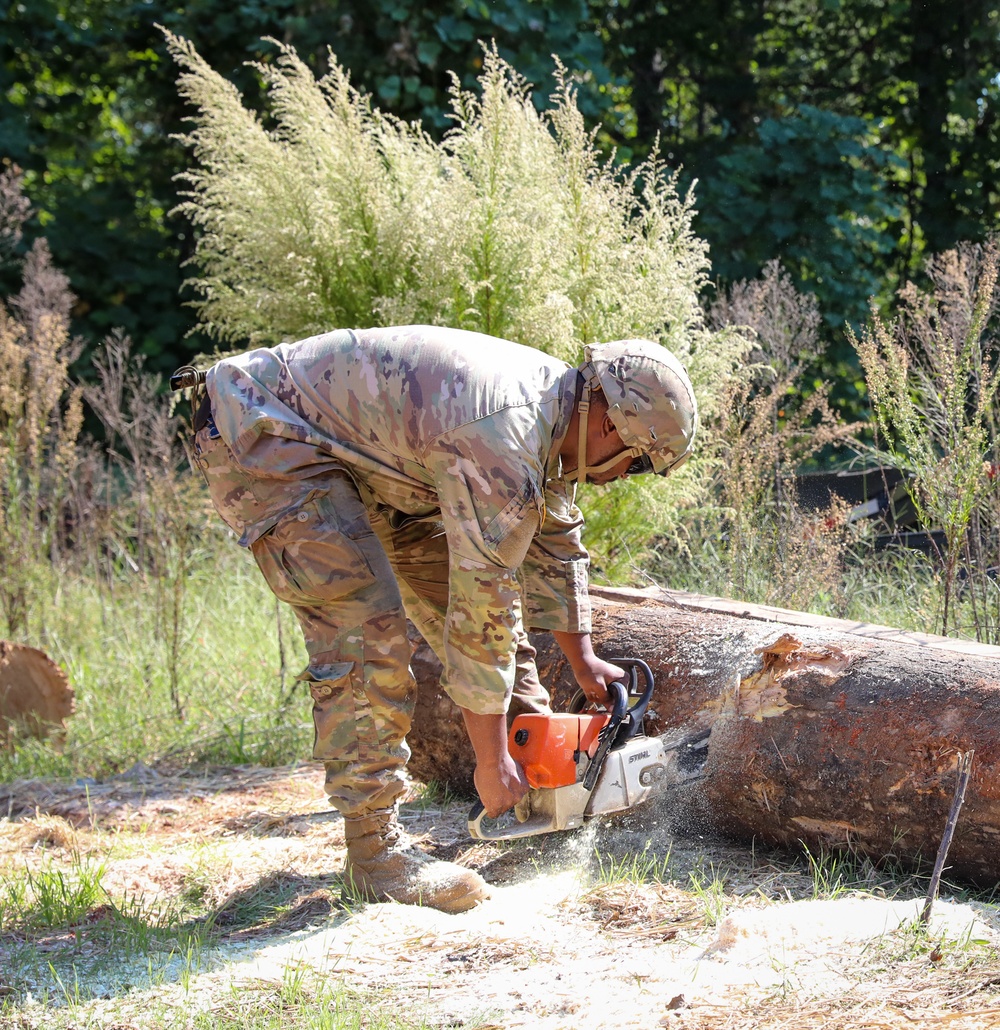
582 468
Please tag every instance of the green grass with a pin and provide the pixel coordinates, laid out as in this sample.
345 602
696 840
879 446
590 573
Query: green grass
49 898
636 867
240 701
709 887
59 926
303 1000
235 698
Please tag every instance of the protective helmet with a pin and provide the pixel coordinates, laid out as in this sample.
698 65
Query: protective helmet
650 401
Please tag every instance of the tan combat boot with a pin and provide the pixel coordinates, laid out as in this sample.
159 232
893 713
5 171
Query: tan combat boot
383 865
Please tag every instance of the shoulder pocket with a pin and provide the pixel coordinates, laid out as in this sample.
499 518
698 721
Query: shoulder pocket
511 531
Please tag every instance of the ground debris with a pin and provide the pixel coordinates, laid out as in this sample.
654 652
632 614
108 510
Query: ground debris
250 861
644 910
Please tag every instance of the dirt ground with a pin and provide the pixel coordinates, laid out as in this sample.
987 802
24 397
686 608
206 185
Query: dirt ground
726 937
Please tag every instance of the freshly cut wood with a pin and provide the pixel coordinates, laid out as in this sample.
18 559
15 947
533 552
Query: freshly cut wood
35 695
790 728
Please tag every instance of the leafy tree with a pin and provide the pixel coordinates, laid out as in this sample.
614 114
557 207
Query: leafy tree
761 101
810 188
78 117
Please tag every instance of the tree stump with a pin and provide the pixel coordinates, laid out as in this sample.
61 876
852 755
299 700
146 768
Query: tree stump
35 696
787 727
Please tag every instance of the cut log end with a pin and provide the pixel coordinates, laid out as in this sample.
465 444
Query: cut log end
36 698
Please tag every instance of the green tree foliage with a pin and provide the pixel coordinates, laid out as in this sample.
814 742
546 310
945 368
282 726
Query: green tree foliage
78 116
405 55
809 186
845 138
764 102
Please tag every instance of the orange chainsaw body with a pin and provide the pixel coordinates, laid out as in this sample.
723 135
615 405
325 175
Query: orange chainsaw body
547 746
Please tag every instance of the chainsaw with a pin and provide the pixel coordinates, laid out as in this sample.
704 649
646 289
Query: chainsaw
581 764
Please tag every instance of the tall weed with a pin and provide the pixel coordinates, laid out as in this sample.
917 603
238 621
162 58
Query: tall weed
156 512
765 429
40 419
932 380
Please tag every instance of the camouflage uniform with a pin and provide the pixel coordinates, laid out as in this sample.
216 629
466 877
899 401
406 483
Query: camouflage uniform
410 470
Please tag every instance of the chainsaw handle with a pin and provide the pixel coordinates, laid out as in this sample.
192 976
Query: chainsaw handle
618 696
633 666
615 727
625 690
505 829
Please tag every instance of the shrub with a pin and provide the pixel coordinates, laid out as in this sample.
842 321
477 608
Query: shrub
513 226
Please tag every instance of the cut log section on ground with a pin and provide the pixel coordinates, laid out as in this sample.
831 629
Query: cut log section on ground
787 727
35 696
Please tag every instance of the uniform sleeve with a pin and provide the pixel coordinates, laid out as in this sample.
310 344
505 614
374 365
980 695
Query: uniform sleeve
555 570
491 511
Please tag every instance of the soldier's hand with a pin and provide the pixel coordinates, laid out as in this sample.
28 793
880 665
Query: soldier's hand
499 779
592 674
501 787
594 678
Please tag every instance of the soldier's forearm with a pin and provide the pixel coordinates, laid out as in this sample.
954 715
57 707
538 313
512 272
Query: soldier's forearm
577 648
593 674
488 736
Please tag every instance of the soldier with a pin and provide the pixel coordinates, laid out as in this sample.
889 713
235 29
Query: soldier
426 472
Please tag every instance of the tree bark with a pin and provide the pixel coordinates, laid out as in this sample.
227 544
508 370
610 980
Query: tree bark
787 727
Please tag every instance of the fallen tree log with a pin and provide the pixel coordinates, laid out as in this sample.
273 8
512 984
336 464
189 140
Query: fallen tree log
789 728
36 698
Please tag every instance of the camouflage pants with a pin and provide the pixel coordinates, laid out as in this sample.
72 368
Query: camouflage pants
352 575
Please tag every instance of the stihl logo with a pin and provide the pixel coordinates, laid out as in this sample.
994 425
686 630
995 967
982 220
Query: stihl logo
637 756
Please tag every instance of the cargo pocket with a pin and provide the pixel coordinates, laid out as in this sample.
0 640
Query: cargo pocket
344 727
228 485
321 551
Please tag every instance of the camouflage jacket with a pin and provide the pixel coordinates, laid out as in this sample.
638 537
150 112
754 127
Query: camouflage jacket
430 422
